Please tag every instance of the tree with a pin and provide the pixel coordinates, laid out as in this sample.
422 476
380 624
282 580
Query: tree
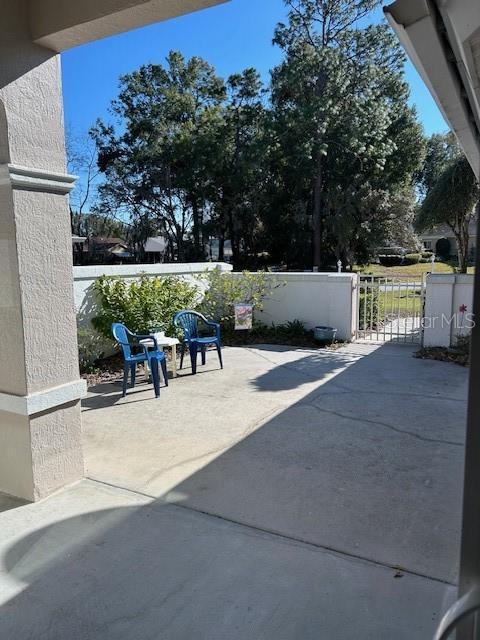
452 201
155 164
238 169
342 120
82 161
441 150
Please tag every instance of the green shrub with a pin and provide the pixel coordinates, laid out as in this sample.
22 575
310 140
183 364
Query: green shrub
390 261
144 304
369 312
91 347
224 290
427 255
291 333
412 258
462 345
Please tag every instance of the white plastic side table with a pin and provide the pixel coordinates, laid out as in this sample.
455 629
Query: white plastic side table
164 341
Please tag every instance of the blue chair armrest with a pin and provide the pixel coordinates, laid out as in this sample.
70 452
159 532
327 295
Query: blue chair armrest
146 347
122 344
216 325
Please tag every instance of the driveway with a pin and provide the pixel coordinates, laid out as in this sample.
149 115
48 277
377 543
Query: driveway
295 494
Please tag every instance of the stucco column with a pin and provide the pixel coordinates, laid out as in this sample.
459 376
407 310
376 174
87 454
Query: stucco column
437 331
40 386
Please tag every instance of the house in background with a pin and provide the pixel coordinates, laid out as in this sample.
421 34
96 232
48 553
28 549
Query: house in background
100 250
154 249
77 248
434 240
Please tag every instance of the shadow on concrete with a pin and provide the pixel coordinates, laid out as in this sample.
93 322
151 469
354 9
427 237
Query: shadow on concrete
313 509
9 502
109 394
316 365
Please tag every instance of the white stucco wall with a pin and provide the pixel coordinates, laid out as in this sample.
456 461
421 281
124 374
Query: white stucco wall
314 299
84 278
443 321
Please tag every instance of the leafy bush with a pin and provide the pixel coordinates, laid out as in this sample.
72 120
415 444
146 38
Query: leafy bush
427 255
369 312
144 304
224 290
462 345
412 258
291 333
390 261
91 347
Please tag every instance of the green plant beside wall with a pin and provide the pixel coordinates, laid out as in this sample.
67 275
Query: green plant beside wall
369 312
142 304
91 347
225 290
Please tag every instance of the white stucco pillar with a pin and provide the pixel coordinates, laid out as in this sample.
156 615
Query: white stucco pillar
40 387
437 331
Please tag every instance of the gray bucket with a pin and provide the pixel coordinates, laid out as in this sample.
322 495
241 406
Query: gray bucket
324 334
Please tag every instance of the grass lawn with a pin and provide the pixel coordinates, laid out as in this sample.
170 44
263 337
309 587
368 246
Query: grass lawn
408 269
401 303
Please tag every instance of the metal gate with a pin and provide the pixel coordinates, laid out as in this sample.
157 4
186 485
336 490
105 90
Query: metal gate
390 308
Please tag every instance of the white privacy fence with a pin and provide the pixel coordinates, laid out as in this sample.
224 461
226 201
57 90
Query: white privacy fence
85 277
313 298
328 299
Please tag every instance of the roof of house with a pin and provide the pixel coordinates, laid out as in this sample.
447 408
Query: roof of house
100 240
444 231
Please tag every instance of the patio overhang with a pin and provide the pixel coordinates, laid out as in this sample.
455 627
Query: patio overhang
60 25
442 40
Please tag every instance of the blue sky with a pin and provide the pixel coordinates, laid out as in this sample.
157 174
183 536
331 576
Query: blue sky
232 37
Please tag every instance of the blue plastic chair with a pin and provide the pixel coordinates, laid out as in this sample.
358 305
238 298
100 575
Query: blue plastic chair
187 321
126 339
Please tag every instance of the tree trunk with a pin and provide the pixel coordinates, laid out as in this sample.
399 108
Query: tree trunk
180 246
196 228
462 238
233 240
221 246
317 216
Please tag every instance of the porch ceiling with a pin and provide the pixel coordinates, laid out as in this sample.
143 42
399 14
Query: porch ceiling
442 40
60 25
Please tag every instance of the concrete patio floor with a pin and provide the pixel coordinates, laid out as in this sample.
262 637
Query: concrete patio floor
295 494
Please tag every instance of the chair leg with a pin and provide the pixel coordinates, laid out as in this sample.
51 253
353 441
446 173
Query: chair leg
204 355
193 357
219 351
182 353
155 376
164 371
125 378
132 374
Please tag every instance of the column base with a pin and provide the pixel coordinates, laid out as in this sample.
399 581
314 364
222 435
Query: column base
40 441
